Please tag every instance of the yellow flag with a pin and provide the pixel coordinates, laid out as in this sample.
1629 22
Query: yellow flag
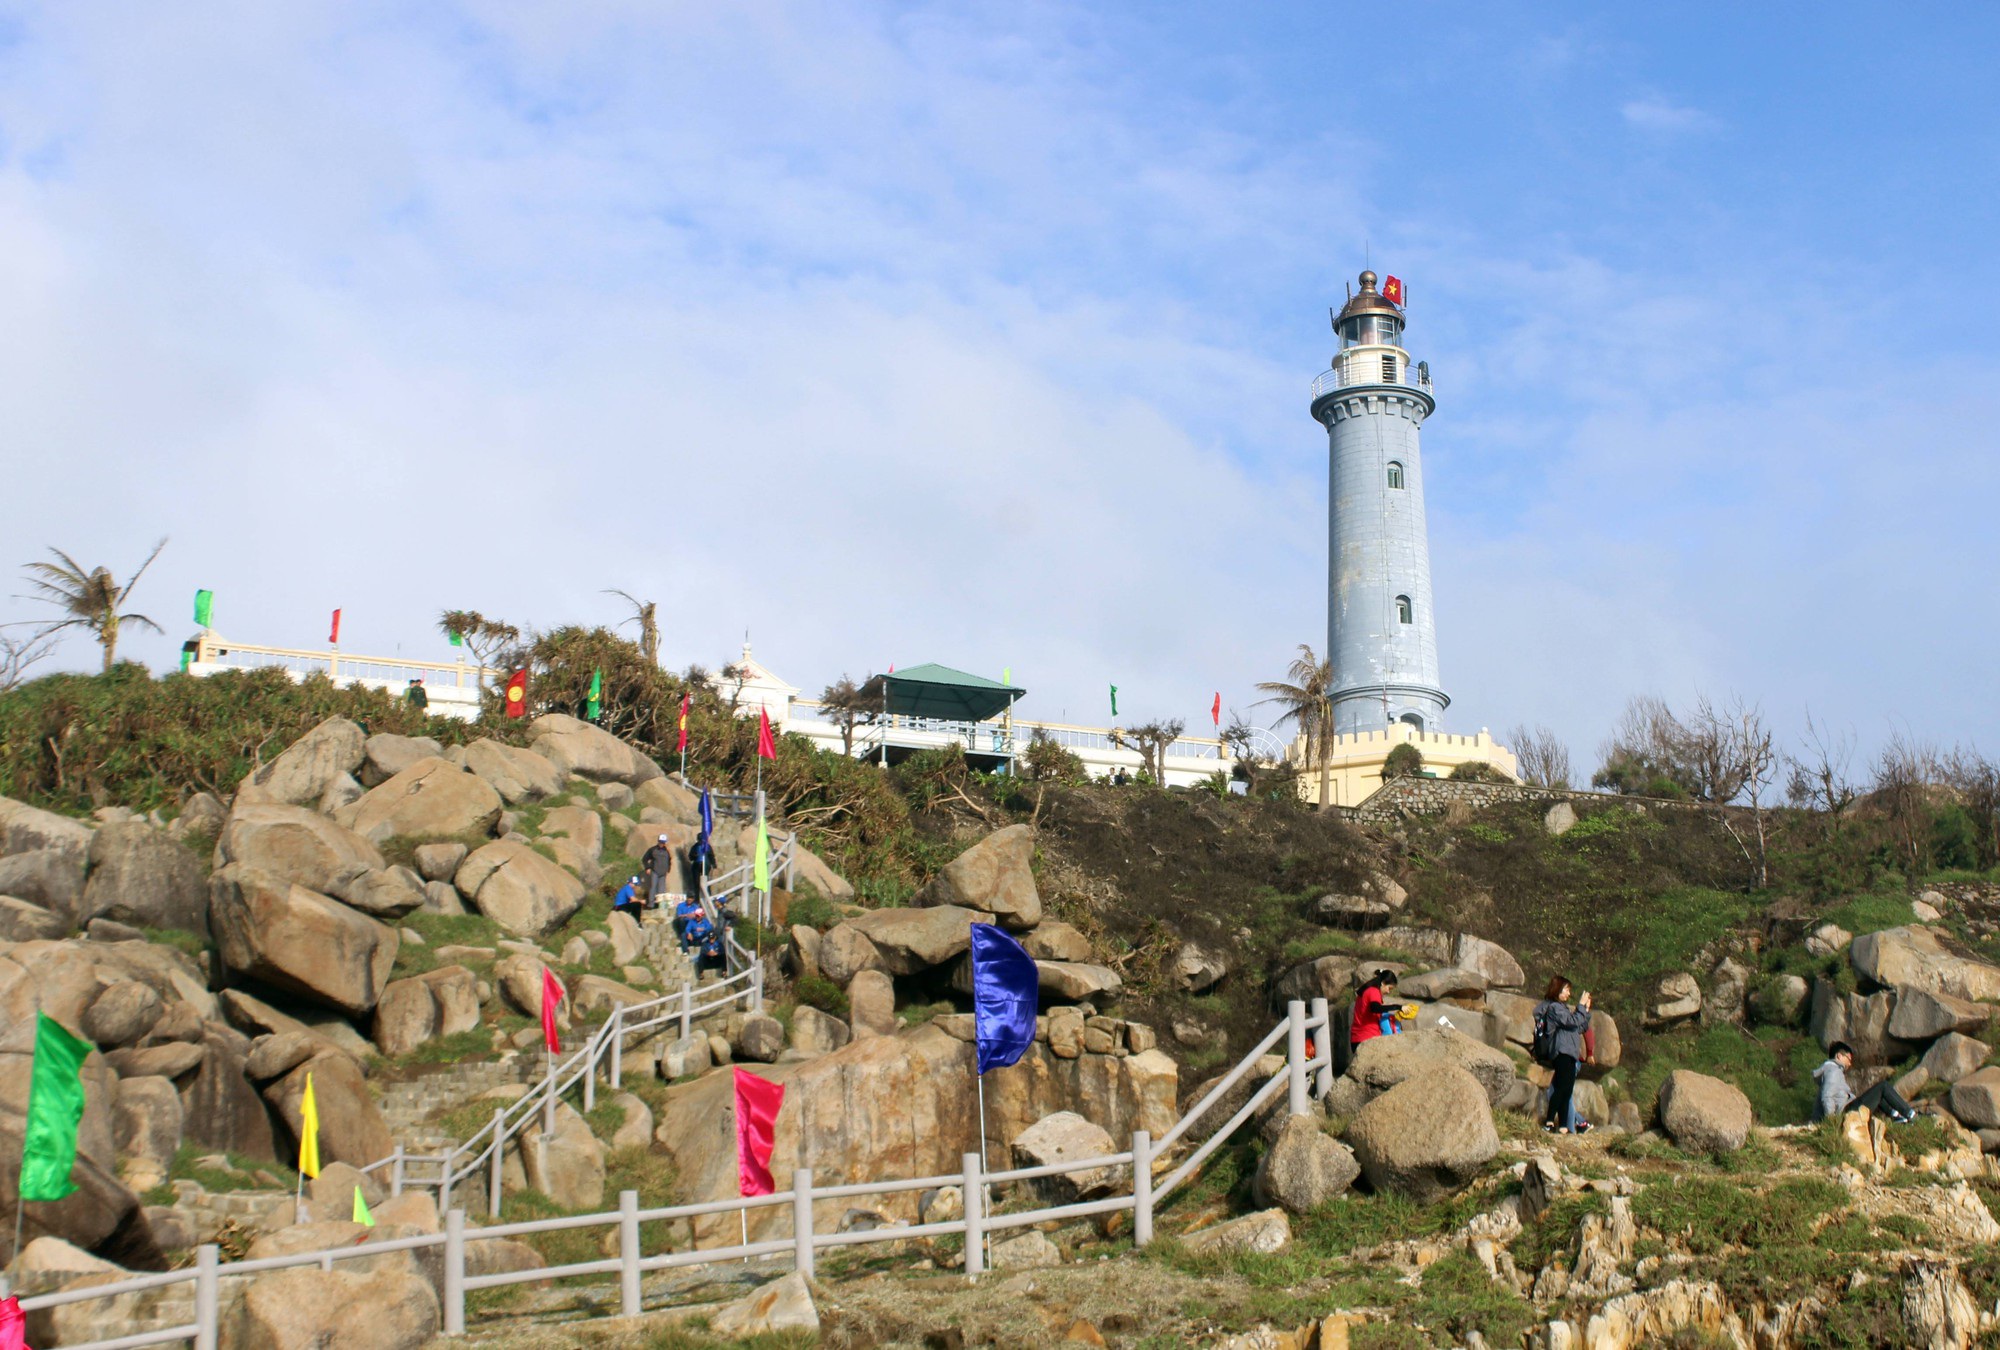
361 1214
309 1132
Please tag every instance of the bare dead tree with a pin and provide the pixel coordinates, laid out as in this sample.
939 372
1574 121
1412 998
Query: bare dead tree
1542 756
1647 752
1976 780
645 613
849 704
1151 740
1818 777
1736 750
18 652
1905 770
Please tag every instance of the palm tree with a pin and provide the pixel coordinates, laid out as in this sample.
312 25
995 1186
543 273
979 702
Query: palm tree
90 599
645 613
1307 702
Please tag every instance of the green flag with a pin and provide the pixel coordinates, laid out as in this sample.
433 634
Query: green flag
458 639
204 607
1007 675
761 873
361 1214
596 691
55 1109
187 659
1114 700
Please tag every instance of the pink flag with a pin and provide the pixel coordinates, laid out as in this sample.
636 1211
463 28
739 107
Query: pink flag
553 994
1215 712
757 1103
767 748
333 638
13 1324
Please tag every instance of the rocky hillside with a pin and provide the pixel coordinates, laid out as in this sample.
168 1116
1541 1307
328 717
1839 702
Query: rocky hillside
376 910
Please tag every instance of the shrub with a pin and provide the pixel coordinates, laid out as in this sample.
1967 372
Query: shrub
819 992
1477 771
1405 761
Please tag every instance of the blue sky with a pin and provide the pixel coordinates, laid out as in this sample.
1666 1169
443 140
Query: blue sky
982 334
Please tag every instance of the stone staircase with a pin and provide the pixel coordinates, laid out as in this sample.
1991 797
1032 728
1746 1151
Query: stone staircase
410 1106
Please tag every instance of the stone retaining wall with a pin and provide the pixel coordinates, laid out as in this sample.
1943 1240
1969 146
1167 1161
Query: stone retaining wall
1402 797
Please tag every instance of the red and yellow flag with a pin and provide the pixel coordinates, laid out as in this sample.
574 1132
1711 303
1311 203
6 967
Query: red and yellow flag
517 693
1392 290
684 723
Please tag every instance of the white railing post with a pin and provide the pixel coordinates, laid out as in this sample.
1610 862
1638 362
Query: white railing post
975 1216
618 1047
1295 1055
687 1009
757 986
802 1221
628 1253
396 1172
1322 1047
499 1162
454 1272
1142 1188
444 1182
207 1297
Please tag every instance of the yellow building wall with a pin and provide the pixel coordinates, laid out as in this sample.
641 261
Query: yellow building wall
1356 761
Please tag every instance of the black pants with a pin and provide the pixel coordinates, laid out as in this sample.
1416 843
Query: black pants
1560 1091
1880 1097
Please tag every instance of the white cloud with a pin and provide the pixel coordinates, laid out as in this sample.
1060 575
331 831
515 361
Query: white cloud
1662 116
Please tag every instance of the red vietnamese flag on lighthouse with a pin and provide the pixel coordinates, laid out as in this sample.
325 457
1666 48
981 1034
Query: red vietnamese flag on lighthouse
1392 291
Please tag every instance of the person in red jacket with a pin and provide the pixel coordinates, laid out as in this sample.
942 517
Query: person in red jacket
1369 1009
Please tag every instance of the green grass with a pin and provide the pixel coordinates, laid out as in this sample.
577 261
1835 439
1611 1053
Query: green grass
185 1167
1458 1296
1771 1065
461 1047
1657 937
1554 1232
1873 912
461 930
179 939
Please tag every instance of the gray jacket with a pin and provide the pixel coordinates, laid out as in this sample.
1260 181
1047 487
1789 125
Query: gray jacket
1834 1093
1569 1025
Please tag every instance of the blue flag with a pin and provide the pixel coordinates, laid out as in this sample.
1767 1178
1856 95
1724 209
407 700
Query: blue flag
1005 989
707 815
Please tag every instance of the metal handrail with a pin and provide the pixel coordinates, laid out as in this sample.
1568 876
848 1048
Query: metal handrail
1408 377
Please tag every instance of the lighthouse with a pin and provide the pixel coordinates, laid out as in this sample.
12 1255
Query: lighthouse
1381 631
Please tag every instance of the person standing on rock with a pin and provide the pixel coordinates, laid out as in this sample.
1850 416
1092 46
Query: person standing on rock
1836 1097
659 865
1371 1014
1558 1046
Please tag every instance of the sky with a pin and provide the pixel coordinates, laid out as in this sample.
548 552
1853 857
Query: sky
982 334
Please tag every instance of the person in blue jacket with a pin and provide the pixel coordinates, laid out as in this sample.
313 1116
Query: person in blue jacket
630 900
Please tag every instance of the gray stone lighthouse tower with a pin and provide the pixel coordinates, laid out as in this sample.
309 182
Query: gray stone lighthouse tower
1380 632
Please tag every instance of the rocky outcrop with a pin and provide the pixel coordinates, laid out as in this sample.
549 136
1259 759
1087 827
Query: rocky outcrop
351 1128
1915 955
141 877
567 1166
1264 1233
912 940
994 877
518 888
517 775
898 1106
1385 1061
49 879
432 799
305 1308
584 751
298 940
1703 1114
1427 1136
29 829
441 1002
301 774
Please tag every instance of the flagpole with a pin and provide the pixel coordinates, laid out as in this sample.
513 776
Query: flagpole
985 1189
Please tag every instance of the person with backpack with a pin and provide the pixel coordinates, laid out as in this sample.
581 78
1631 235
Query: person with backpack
1372 1017
1558 1047
1836 1097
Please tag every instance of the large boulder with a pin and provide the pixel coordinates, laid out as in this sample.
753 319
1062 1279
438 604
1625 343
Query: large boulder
388 894
1676 998
1053 940
351 1128
298 940
1073 981
912 940
1382 1062
102 1204
124 1012
298 844
306 1308
1451 982
518 977
1304 1168
785 1304
386 754
1197 967
1915 955
1066 1137
993 876
441 1002
1922 1015
432 799
518 775
1975 1099
23 922
518 888
303 772
567 1166
141 877
47 878
1264 1233
148 1117
844 951
1327 977
1952 1056
1490 960
809 869
1430 1134
1703 1114
871 1004
26 829
1861 1020
220 1108
584 751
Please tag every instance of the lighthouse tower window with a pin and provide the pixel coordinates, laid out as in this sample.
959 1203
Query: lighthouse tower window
1405 612
1395 473
1388 370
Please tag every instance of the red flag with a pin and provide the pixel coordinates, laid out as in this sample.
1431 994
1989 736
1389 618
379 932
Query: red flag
1215 712
758 1101
13 1324
517 693
553 994
333 638
684 723
767 748
1392 290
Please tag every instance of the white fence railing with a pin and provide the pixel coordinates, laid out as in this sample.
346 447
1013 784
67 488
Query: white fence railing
632 1262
